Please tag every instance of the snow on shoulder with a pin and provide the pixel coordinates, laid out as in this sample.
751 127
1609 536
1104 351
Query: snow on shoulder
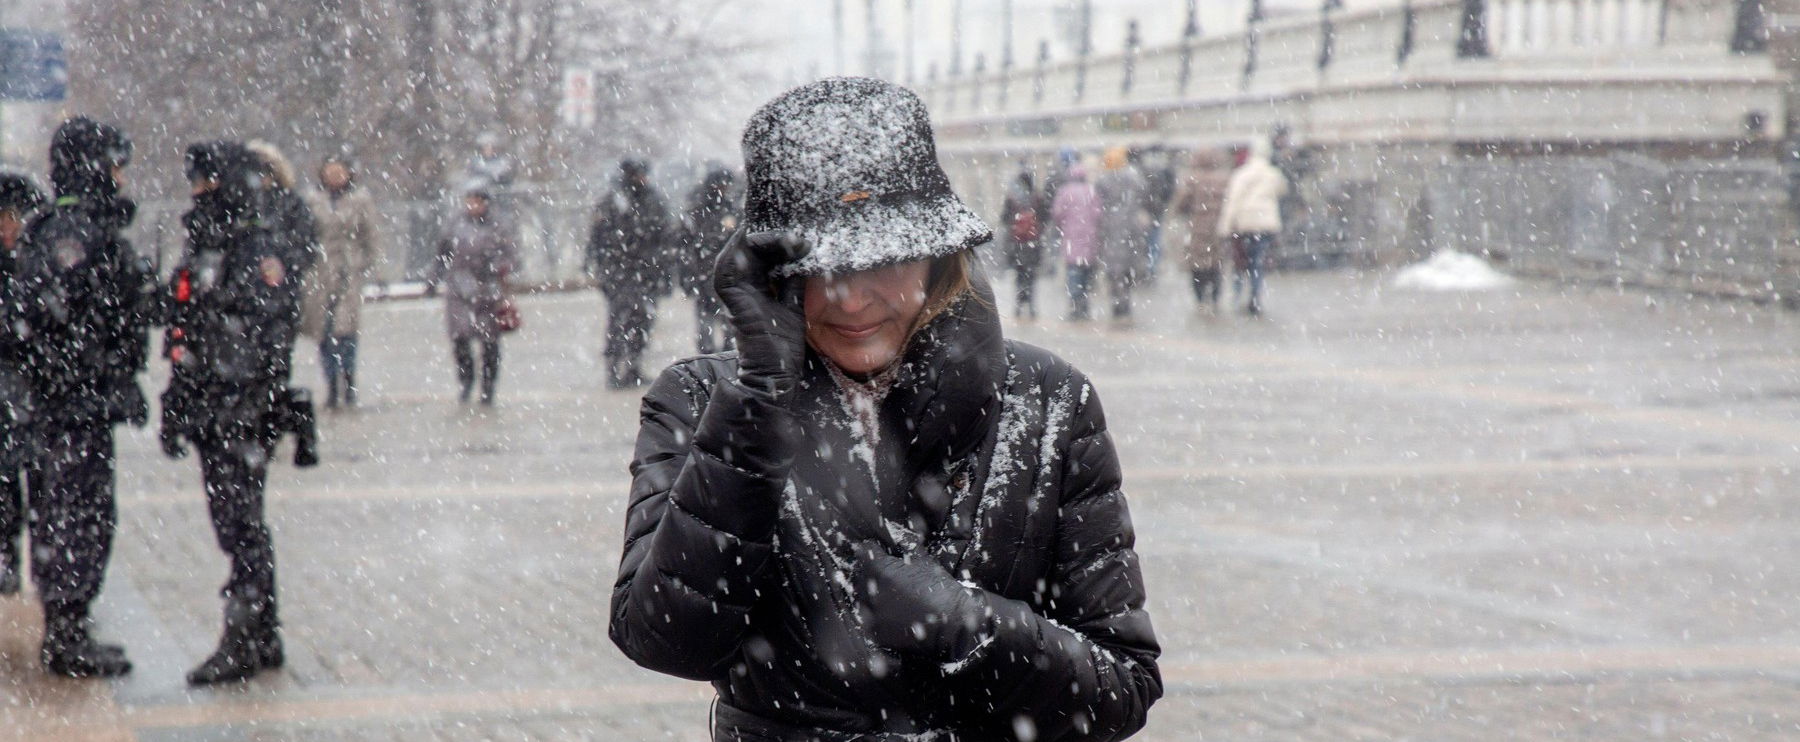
1449 270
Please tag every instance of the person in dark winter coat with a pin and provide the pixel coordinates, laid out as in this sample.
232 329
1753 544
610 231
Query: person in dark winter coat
879 519
474 258
234 313
82 302
628 250
712 215
20 200
1022 218
1125 223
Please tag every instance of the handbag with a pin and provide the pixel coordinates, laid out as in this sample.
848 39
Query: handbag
506 315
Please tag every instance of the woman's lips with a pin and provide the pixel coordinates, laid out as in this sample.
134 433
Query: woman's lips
856 332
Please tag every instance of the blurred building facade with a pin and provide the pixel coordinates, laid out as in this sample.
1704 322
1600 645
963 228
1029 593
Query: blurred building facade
1626 140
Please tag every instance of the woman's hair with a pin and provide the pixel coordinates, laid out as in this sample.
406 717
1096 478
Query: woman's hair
951 279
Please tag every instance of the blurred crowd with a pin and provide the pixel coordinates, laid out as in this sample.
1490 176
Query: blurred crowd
1109 221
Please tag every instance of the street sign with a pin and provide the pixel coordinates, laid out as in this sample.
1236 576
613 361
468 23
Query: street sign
32 65
579 109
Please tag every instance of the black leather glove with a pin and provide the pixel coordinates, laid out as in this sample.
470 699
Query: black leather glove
913 605
765 314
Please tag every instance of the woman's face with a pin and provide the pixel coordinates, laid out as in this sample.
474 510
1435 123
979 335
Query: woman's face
861 320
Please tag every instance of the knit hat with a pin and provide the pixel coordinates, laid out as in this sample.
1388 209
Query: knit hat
850 166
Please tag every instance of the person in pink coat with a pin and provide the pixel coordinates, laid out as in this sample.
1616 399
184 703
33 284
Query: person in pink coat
1076 214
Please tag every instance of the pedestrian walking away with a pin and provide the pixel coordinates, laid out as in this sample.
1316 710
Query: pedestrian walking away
1022 217
1125 222
1076 213
1158 167
349 254
1192 220
712 215
955 559
629 252
80 303
234 313
1252 216
474 258
20 201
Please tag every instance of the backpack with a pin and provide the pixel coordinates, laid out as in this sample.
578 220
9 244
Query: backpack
1025 225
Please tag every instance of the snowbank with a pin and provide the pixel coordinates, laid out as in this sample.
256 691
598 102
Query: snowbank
1449 270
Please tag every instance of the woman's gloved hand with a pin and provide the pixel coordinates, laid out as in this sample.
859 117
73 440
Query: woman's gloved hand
914 605
765 313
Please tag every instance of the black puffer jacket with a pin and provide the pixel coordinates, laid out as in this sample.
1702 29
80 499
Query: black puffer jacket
993 457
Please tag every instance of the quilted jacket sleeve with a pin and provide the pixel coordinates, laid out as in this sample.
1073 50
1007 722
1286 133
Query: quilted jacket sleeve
1079 664
712 459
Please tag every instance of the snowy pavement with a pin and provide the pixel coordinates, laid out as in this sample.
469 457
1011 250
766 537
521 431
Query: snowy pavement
1536 512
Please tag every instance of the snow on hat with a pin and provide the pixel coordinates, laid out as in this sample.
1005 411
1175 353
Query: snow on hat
849 165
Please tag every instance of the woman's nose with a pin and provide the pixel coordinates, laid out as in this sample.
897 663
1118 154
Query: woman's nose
849 295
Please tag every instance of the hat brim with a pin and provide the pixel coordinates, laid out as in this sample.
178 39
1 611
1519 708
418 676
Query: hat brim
860 237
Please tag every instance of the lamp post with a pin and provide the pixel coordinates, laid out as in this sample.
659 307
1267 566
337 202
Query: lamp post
1006 50
1131 51
1472 42
1085 48
1189 33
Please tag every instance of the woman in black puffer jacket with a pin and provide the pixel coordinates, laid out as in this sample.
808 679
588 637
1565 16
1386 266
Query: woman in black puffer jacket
878 520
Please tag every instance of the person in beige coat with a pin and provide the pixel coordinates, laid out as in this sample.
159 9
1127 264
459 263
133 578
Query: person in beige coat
1193 216
334 291
1252 213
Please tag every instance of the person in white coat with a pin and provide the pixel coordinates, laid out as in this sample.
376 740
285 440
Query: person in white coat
1252 215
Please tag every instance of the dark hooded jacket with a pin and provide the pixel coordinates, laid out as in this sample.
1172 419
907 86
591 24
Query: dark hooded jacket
235 299
628 247
991 456
80 300
712 215
20 196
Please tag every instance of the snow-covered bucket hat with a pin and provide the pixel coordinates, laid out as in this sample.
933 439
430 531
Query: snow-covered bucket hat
849 165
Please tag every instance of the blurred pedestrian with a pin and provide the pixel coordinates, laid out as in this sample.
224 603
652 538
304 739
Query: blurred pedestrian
1022 216
20 201
1193 218
474 258
350 253
1124 228
82 302
1158 166
490 169
1076 213
712 215
235 313
628 250
880 520
1252 216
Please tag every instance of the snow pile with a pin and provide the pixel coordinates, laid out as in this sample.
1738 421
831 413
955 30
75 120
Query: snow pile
1449 270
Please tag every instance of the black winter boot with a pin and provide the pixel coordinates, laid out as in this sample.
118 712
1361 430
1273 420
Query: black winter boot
249 645
331 391
69 650
10 571
349 389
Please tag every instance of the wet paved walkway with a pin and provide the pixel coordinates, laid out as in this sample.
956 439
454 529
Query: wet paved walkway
1541 513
